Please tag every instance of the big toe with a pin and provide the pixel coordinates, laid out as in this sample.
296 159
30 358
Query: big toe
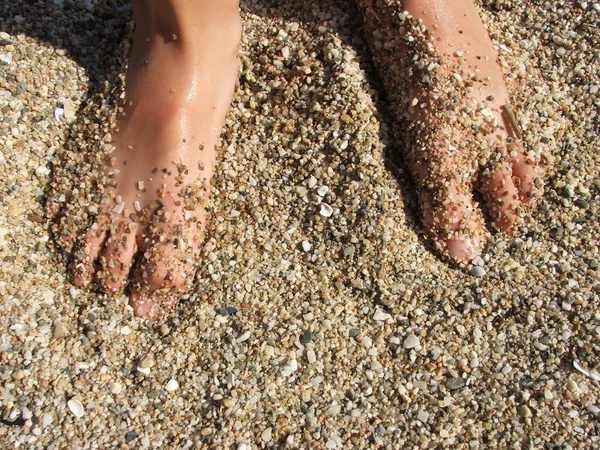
454 223
162 274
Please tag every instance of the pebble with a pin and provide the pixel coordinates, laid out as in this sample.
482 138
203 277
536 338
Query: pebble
411 341
289 368
381 315
454 383
478 271
306 246
172 385
266 435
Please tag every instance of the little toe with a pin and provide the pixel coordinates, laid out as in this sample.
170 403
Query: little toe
502 197
528 175
87 253
117 257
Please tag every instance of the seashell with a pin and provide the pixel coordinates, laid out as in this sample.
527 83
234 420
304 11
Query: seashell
76 407
593 375
172 385
326 210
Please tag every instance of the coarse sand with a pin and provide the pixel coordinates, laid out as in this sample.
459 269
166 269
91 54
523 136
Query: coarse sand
306 329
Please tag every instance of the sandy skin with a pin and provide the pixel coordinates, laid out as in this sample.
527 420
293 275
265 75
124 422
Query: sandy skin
180 81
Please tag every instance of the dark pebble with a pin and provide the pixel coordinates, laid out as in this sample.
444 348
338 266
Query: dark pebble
354 332
581 203
130 436
306 337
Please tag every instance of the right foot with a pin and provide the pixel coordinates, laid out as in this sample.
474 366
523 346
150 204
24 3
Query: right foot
441 69
149 225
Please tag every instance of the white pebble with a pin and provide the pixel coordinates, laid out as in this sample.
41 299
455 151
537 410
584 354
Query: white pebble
477 271
267 434
322 191
125 330
172 385
289 368
243 337
381 315
306 246
411 341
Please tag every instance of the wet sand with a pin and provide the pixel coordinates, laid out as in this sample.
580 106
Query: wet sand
306 331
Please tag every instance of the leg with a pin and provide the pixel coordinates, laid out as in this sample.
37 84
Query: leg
441 69
149 223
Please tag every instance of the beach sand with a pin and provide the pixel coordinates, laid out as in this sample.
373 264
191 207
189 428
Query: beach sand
305 331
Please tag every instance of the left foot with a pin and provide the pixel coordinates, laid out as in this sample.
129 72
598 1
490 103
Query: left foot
441 68
150 184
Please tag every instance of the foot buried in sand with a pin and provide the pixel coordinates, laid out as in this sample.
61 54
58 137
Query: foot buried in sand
135 218
441 73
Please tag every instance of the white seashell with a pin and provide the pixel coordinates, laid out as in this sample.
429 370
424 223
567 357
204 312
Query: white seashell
289 368
144 370
381 315
593 375
326 210
76 407
172 385
58 112
306 246
322 191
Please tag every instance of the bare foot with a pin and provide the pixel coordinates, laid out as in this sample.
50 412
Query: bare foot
155 175
441 70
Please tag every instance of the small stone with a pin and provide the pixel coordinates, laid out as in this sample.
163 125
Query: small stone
477 271
455 383
130 436
266 435
172 385
116 388
306 337
411 341
59 329
349 250
306 246
289 368
524 411
381 315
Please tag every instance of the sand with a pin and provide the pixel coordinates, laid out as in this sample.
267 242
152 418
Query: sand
301 330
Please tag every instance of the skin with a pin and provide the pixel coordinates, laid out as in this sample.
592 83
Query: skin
164 148
507 185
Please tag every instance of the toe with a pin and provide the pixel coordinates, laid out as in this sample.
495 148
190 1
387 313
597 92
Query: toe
165 270
87 253
502 197
117 257
528 175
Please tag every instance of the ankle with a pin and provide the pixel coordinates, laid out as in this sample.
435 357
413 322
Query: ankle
183 20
